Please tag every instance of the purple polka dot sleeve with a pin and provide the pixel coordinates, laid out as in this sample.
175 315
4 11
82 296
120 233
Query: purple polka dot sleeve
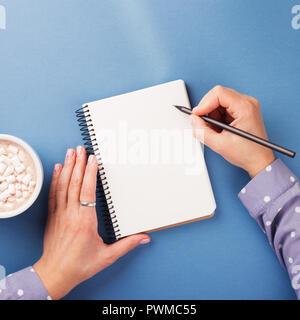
23 285
273 200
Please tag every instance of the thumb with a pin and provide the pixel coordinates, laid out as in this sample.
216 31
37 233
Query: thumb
123 246
204 133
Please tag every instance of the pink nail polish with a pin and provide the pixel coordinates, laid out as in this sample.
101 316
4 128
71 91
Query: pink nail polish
70 154
192 120
57 168
79 150
144 241
91 159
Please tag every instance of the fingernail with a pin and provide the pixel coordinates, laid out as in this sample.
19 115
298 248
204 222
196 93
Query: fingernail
192 120
57 168
91 159
144 241
70 154
79 150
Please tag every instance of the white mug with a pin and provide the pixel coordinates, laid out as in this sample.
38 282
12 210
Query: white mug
39 176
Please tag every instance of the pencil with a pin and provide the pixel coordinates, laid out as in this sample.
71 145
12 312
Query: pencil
242 133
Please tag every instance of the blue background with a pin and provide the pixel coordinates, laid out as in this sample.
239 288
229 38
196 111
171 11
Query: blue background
57 54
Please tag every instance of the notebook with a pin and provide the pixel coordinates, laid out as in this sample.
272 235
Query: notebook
152 172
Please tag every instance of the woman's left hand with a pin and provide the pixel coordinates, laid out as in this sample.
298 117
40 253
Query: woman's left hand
73 249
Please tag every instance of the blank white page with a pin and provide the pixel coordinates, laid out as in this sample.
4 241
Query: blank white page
154 167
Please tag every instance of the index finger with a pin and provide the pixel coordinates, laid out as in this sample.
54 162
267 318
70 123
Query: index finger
219 96
52 193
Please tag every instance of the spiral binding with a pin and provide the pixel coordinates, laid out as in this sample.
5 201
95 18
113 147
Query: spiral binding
104 200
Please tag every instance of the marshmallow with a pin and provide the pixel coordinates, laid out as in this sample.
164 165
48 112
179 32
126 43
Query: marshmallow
15 161
8 205
25 194
12 149
31 185
18 194
4 195
3 186
11 189
20 177
20 168
2 150
24 187
22 156
20 199
26 179
11 179
3 166
9 170
11 199
4 159
18 186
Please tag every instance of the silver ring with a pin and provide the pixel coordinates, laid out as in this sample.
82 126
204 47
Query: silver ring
88 204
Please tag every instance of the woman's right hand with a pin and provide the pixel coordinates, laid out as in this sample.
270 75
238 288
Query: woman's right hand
240 111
